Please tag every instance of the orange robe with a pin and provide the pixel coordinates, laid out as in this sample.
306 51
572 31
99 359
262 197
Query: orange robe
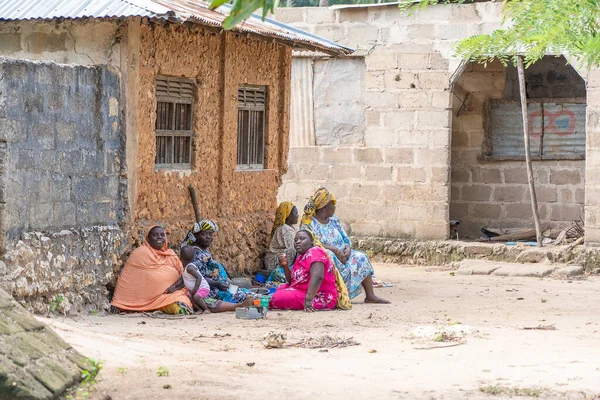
146 276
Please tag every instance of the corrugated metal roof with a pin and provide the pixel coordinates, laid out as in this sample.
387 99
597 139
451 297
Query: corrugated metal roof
172 10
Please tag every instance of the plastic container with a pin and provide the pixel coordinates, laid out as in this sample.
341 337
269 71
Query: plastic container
257 302
250 312
272 290
264 301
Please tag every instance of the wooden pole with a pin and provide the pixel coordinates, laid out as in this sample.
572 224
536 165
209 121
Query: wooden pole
534 206
195 203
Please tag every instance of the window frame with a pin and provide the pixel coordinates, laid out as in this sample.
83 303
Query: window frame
168 99
265 111
487 146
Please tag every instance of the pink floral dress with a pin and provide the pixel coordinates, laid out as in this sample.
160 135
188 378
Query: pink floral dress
291 297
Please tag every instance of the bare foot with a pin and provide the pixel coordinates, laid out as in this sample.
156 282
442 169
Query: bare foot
377 300
207 311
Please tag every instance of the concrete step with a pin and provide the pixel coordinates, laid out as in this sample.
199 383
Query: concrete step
499 268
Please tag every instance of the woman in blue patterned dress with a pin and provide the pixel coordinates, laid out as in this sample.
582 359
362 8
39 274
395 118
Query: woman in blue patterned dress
354 266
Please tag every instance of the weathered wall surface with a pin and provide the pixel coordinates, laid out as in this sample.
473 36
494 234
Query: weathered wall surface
82 42
398 184
495 193
35 363
60 180
242 203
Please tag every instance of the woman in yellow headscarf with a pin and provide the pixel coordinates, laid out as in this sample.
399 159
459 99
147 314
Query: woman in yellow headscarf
354 266
282 240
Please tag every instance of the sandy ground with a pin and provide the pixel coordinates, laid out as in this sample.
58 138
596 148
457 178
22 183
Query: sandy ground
208 357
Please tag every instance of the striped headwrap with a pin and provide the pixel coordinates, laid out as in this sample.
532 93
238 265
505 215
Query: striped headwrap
283 212
318 200
205 225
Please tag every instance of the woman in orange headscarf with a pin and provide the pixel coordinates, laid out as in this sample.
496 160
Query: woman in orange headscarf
151 279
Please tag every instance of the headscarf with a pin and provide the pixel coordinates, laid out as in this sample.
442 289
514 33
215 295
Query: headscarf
283 212
146 276
318 200
343 302
204 225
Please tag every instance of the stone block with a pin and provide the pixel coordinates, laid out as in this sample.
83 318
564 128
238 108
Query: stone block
334 33
397 80
65 214
336 155
70 161
570 270
50 160
368 155
289 15
354 15
304 155
373 118
437 62
440 99
456 192
421 31
41 216
413 61
65 132
315 172
60 188
452 31
362 35
432 231
398 155
476 193
380 137
399 120
378 173
413 99
433 80
319 15
478 267
440 174
509 194
524 270
93 162
366 228
380 100
460 138
515 175
579 196
84 188
346 173
460 175
381 61
488 175
10 42
410 174
566 212
374 80
465 13
565 195
95 213
25 160
428 157
565 177
433 119
487 210
439 138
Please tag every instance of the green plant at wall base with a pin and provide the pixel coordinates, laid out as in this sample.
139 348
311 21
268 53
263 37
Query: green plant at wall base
55 303
122 371
89 375
162 371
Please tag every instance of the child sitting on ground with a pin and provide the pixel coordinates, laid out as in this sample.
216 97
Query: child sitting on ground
195 283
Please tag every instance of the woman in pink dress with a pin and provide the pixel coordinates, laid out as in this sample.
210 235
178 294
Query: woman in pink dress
312 278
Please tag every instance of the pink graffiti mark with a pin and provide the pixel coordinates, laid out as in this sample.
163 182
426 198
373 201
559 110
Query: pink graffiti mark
561 123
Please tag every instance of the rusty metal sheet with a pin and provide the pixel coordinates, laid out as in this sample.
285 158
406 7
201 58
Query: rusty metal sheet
556 130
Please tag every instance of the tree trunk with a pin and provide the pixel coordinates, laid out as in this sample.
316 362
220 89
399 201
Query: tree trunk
323 3
289 3
534 206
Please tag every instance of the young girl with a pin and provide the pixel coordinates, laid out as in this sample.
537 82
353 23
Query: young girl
195 283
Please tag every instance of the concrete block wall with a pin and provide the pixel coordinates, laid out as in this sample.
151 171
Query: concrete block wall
403 165
592 159
496 193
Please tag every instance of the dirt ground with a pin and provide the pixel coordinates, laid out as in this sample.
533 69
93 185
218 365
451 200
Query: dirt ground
218 356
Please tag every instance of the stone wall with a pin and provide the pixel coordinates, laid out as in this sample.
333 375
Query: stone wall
496 193
35 363
60 180
397 183
241 202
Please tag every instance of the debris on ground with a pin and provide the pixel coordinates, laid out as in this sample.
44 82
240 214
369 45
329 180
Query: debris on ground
540 328
251 364
329 342
274 340
450 333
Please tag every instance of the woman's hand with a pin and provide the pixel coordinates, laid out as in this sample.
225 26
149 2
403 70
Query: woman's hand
308 304
347 251
176 286
341 256
222 286
283 260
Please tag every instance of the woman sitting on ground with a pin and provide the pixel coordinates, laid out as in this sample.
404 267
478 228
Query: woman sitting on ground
282 240
220 298
312 278
354 266
151 279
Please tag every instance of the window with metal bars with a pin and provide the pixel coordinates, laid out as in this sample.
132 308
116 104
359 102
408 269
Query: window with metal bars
252 114
173 129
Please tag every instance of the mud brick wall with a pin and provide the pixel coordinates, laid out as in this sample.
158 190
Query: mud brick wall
243 203
60 177
495 193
